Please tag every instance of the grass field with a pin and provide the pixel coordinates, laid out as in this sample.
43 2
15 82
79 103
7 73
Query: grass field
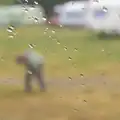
75 54
67 52
6 2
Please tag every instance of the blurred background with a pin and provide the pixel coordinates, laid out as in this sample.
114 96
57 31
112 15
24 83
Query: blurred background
81 45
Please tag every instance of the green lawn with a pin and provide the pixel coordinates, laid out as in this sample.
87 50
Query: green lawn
6 2
67 52
70 53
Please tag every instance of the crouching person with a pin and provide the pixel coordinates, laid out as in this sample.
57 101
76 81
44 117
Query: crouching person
34 64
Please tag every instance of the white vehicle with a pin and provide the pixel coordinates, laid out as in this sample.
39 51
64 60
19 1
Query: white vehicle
104 16
18 14
71 13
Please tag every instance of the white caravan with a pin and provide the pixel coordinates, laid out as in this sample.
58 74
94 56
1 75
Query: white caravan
104 16
71 13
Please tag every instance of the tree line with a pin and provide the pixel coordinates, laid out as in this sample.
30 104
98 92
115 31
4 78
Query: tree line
46 4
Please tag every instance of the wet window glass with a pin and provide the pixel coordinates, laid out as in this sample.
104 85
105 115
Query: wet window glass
55 71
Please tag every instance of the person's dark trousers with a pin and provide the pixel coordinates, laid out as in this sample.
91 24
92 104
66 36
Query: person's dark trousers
38 73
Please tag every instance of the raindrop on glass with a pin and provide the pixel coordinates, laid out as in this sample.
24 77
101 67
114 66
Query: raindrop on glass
53 31
46 29
75 109
10 29
105 9
36 3
33 7
36 20
83 85
69 58
70 78
44 18
25 10
76 49
50 36
61 26
26 1
31 45
85 101
49 22
2 59
65 48
81 75
102 50
58 42
29 72
11 36
45 33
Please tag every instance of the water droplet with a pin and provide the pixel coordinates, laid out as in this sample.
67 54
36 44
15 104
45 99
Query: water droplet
49 22
44 18
61 26
70 78
81 75
10 29
36 20
105 9
58 42
75 109
30 72
70 58
50 36
26 1
65 48
83 85
31 45
46 29
25 10
11 36
53 31
33 7
76 49
85 101
36 3
102 50
45 33
2 59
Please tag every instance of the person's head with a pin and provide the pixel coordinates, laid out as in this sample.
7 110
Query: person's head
21 60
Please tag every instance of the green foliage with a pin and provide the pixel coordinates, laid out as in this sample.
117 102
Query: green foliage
92 55
6 2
